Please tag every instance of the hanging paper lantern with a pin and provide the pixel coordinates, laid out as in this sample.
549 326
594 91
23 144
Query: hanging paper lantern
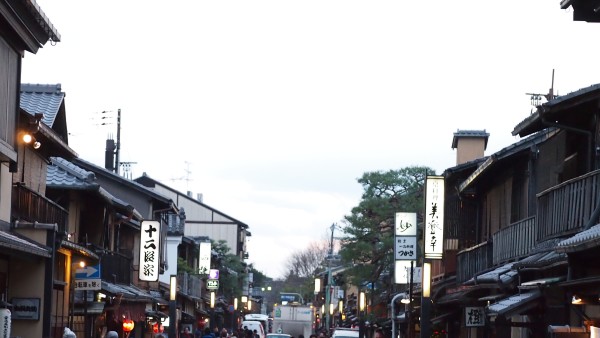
128 325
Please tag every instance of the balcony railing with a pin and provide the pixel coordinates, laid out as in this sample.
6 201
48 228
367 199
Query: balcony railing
567 207
116 268
29 206
514 241
189 284
472 261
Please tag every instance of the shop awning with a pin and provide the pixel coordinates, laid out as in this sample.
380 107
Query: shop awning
128 293
515 304
14 241
79 249
503 275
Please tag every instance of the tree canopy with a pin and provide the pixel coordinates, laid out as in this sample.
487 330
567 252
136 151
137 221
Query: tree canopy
367 245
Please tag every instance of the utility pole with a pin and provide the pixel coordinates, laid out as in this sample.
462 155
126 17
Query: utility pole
329 286
117 164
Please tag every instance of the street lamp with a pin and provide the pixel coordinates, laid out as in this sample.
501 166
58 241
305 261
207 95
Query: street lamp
212 310
425 301
362 302
173 306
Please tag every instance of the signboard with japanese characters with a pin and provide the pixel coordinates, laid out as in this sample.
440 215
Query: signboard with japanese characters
204 258
88 278
474 316
405 243
434 217
406 248
149 250
402 273
406 224
212 284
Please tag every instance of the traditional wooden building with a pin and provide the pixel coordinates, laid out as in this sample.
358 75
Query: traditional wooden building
520 229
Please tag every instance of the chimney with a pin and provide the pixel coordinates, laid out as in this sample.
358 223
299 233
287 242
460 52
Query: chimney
469 144
109 155
199 198
190 194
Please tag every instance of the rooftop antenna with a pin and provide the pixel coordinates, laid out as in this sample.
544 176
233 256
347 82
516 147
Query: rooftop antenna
185 177
536 98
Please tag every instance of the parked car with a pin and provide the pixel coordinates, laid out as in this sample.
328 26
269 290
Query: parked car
279 335
254 325
342 332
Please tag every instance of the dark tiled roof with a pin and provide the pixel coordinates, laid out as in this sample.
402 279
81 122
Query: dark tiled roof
514 304
64 174
42 99
586 239
15 241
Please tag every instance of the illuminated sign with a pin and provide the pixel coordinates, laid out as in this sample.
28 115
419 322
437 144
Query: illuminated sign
149 250
434 217
204 259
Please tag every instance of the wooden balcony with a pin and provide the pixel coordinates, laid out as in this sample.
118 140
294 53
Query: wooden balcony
29 206
567 207
472 261
514 241
116 268
190 285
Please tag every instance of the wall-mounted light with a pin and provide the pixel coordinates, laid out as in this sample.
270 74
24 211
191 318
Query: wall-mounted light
317 285
28 138
212 299
331 309
340 305
576 300
405 299
235 303
249 305
244 299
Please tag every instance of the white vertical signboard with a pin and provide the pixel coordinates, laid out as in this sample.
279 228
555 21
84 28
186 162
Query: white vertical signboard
405 247
406 224
204 259
434 217
149 251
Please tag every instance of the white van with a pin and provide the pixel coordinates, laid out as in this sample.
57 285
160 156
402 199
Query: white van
254 325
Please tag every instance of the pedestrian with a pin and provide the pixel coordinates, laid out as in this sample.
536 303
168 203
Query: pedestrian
207 333
379 333
186 333
112 334
67 333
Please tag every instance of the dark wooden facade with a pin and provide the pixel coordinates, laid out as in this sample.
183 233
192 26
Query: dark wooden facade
513 208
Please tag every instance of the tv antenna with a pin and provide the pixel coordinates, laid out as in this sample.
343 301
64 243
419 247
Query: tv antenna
536 98
187 177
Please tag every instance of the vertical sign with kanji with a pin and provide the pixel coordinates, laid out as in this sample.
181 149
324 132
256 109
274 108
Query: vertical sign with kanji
405 248
149 250
204 258
474 316
434 217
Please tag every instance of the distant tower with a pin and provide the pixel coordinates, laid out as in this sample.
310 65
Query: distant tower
469 144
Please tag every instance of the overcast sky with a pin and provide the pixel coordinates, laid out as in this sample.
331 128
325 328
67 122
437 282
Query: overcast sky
273 109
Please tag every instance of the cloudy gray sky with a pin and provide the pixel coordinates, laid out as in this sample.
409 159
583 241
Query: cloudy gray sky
273 109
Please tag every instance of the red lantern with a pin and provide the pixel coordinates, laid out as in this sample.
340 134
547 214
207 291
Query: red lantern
158 328
128 325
